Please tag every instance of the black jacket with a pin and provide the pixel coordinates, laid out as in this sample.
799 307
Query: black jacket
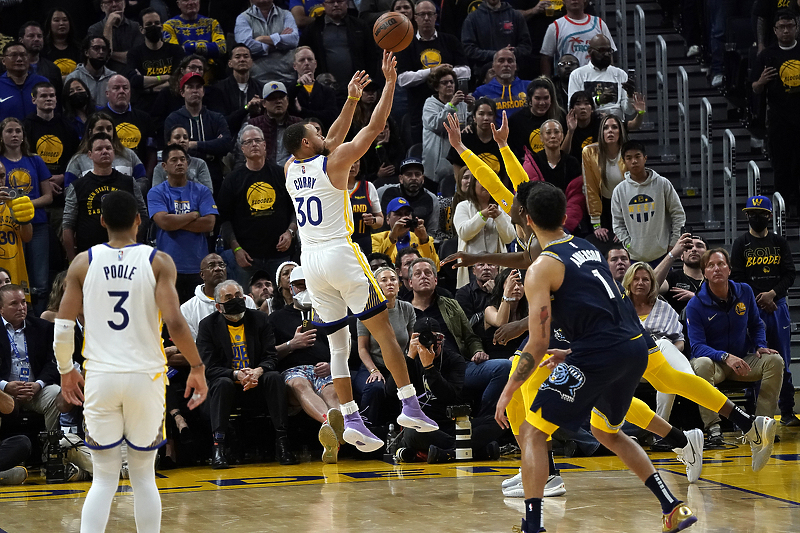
232 100
445 381
360 42
214 345
39 336
321 103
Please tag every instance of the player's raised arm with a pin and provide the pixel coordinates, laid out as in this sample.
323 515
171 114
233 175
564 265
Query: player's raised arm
167 301
341 125
340 161
64 332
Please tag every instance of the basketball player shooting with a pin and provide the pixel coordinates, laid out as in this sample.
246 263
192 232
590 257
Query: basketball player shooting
124 290
337 273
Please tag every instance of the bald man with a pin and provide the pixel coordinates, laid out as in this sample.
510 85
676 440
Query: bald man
134 128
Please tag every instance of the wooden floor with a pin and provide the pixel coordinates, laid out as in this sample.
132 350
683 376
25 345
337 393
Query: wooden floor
366 496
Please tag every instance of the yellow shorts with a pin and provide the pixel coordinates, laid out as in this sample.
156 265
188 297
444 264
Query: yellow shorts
519 409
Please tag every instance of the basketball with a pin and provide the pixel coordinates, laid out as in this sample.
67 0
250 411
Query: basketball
393 31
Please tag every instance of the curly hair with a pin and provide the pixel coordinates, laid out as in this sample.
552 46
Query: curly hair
436 76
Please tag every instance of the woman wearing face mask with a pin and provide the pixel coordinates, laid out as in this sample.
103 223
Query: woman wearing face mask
525 125
125 159
603 170
78 105
283 291
198 169
370 381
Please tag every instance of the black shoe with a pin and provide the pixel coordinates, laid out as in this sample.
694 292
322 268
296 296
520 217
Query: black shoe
285 455
440 455
790 420
493 451
660 446
218 460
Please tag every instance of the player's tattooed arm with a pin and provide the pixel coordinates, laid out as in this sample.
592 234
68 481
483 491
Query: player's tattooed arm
544 316
525 367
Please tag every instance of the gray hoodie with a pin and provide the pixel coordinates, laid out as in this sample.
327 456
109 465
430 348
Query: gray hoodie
647 216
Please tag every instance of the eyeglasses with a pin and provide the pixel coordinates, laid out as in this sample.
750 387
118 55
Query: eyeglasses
15 55
447 82
426 14
252 141
215 265
785 27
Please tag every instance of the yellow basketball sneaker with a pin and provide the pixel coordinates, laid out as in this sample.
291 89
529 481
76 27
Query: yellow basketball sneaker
678 519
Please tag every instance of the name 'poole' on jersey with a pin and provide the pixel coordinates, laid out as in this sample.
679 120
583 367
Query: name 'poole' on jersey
323 211
589 306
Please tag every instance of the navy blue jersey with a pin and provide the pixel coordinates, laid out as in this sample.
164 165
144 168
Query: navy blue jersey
589 307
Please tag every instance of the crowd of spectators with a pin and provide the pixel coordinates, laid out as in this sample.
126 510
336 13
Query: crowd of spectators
185 106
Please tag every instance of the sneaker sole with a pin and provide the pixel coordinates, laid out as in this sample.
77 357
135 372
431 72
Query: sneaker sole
336 421
769 435
416 424
327 437
683 525
559 490
698 449
515 491
363 442
510 482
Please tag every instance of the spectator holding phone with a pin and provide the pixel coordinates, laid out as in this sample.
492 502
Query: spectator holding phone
406 231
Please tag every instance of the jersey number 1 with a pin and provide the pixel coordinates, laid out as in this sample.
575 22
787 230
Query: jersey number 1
122 295
312 213
604 282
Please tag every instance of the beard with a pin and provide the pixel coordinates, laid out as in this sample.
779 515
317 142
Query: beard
324 151
234 318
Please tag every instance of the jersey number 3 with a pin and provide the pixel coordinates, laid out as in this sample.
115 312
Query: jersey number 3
122 295
312 212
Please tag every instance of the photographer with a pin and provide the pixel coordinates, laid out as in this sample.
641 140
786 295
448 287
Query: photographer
440 373
13 450
401 220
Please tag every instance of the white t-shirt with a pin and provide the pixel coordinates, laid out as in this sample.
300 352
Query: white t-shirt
595 81
569 36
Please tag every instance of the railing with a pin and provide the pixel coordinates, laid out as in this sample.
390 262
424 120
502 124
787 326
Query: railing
662 94
706 156
684 146
621 22
640 47
729 181
601 9
753 179
778 214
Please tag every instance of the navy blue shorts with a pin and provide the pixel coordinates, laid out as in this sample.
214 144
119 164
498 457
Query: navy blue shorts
602 381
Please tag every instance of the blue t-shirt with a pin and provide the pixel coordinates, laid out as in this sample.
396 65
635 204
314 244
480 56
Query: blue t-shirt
186 248
314 8
26 174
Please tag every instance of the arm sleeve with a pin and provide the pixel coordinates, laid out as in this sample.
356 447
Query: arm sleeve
208 353
787 270
549 41
591 182
373 198
513 168
140 205
269 359
575 84
447 388
42 172
472 343
489 179
287 41
217 47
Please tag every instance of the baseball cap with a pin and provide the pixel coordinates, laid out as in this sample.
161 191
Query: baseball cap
296 275
410 162
273 87
761 203
397 204
190 75
258 276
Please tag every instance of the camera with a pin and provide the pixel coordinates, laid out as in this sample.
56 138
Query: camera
13 192
458 411
426 327
53 456
412 223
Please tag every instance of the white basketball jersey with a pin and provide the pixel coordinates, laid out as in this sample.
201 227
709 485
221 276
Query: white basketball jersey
323 211
122 328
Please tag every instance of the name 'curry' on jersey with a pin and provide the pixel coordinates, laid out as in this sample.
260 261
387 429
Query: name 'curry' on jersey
323 211
589 307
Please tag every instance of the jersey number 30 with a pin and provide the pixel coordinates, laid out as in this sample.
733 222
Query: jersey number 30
122 295
312 212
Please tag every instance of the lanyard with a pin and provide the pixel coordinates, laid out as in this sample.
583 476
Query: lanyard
14 345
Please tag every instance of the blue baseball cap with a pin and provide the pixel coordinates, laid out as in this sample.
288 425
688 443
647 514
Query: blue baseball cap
397 204
411 162
758 202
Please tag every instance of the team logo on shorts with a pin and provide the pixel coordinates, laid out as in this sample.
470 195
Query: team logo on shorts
565 380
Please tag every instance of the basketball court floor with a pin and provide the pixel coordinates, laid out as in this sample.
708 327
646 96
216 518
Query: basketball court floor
367 496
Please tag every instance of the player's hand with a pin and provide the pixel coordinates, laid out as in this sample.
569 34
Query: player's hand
303 339
196 386
500 411
322 370
501 134
682 295
284 241
71 387
463 259
454 133
739 366
480 357
356 86
601 234
376 376
243 259
389 67
557 356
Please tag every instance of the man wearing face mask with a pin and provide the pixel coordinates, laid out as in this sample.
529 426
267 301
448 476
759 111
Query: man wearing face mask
304 361
237 346
93 72
608 85
150 63
764 261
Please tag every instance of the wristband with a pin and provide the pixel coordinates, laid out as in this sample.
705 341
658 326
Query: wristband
237 249
596 226
197 365
450 104
158 78
430 366
506 299
642 112
483 216
355 98
373 370
670 255
289 345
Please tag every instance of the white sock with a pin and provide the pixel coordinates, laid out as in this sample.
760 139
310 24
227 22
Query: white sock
96 508
349 408
146 500
406 391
